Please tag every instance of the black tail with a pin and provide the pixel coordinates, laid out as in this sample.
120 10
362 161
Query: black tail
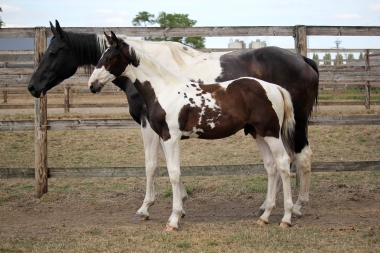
315 67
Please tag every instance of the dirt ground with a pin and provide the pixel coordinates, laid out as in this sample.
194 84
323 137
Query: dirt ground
354 205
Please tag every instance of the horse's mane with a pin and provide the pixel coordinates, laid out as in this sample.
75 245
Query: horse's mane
87 47
149 61
176 48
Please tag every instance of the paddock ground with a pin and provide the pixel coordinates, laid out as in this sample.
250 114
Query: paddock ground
78 214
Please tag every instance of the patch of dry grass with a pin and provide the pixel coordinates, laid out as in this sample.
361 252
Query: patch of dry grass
124 147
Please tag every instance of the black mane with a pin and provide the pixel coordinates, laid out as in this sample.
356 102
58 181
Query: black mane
86 47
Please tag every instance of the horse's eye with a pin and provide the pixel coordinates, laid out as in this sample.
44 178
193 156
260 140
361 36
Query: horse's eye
109 59
53 52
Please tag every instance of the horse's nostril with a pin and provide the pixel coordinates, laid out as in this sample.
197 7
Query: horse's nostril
92 89
31 89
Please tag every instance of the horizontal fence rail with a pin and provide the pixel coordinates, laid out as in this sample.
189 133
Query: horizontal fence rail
89 124
206 31
219 170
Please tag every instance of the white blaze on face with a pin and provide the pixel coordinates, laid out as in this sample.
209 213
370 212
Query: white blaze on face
101 75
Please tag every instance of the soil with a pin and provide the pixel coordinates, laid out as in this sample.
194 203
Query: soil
331 206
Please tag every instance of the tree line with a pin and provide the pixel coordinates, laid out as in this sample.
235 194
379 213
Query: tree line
338 58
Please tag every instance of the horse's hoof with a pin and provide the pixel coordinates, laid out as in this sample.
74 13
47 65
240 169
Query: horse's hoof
262 222
170 228
183 215
141 217
285 225
260 212
296 214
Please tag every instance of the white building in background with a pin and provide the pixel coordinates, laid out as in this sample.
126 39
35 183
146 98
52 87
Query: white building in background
239 44
257 44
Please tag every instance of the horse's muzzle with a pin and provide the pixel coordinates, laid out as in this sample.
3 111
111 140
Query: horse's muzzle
96 86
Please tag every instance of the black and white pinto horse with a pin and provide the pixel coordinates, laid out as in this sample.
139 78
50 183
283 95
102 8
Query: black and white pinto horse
179 107
297 74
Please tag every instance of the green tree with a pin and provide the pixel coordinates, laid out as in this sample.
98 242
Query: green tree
316 58
339 59
350 56
143 18
327 57
170 20
1 21
361 56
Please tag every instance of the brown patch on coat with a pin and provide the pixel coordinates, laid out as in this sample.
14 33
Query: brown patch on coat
156 114
243 104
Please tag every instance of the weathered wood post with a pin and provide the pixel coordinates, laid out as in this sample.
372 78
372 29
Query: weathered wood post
335 92
367 86
300 39
40 121
66 101
300 43
5 93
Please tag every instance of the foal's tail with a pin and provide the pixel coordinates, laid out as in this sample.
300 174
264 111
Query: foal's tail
289 123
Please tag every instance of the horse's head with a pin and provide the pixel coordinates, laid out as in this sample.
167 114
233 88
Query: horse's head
113 63
58 63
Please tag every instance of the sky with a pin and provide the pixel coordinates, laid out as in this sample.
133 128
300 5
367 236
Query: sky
119 13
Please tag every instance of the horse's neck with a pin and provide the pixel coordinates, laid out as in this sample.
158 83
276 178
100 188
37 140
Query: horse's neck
151 70
88 48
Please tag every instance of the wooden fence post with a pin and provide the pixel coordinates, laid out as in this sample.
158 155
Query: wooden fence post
5 93
367 83
300 43
335 92
66 101
300 39
40 122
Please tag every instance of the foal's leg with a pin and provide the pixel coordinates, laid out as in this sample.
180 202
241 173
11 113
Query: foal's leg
271 168
283 166
172 147
278 188
182 187
151 145
304 168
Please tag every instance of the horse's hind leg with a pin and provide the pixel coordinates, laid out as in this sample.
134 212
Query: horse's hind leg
283 166
304 169
271 168
151 145
278 188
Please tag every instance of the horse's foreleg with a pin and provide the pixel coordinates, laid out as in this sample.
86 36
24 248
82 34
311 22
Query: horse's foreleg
172 147
304 168
151 145
182 187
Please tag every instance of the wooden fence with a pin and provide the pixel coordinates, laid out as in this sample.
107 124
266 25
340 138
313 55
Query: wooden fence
299 33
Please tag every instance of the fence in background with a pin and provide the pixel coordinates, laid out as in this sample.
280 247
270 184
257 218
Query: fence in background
369 75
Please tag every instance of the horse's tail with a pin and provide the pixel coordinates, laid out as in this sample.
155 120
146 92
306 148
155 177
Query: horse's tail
314 66
288 123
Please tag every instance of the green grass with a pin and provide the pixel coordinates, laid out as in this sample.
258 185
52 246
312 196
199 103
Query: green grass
348 94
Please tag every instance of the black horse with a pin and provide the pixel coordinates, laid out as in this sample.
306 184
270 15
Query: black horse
297 74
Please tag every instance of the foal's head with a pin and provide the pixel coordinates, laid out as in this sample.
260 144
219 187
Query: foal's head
113 63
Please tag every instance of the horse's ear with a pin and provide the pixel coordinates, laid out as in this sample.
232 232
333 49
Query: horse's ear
53 30
114 38
59 29
110 40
